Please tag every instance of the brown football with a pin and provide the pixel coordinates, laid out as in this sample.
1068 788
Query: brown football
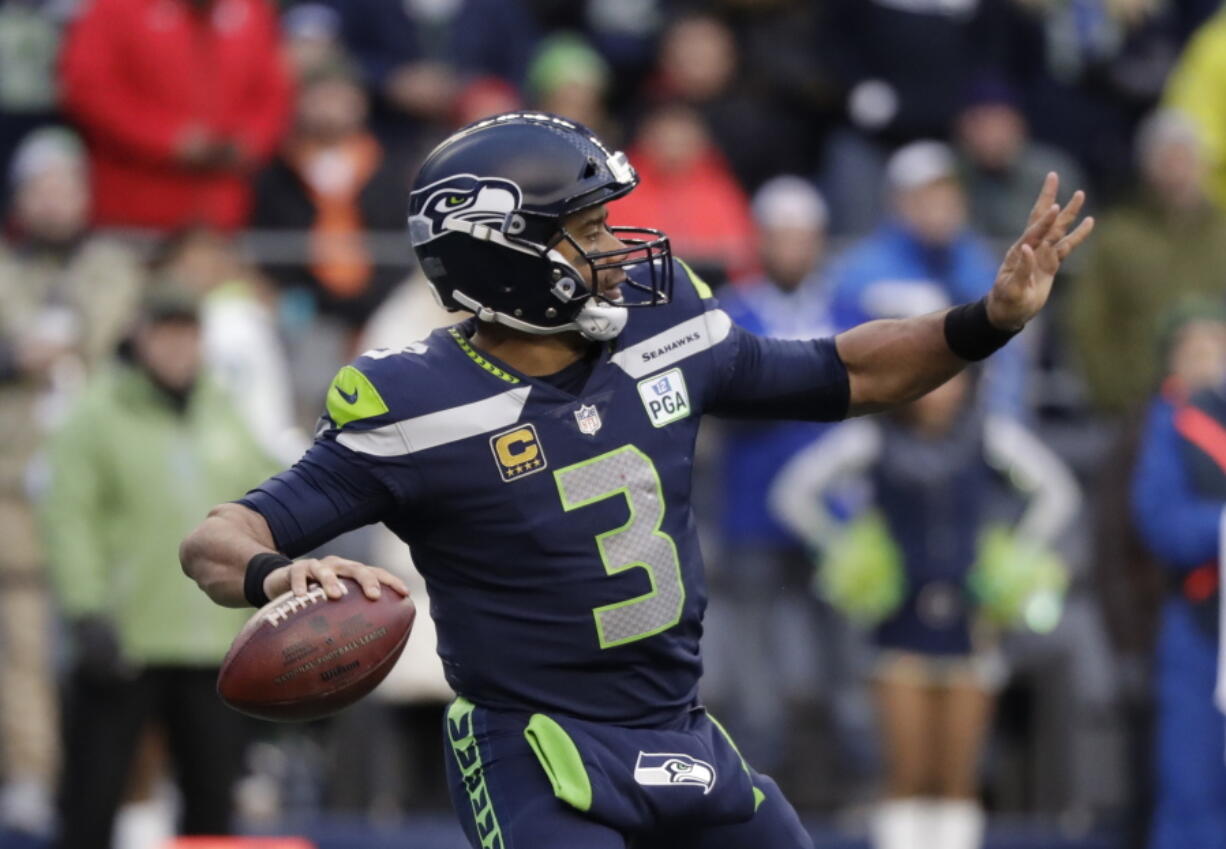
305 657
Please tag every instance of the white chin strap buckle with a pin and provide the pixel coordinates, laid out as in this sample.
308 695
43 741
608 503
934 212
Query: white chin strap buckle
600 321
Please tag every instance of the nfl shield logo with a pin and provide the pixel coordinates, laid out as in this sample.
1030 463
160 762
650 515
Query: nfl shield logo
588 418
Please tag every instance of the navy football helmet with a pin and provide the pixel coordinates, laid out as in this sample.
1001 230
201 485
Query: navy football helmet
485 219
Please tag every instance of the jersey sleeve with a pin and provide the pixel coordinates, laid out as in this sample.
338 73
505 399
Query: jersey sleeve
756 377
761 378
334 488
324 494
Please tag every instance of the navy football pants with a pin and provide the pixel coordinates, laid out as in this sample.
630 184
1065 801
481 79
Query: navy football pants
507 802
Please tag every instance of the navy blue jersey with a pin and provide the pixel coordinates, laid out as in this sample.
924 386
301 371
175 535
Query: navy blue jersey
554 530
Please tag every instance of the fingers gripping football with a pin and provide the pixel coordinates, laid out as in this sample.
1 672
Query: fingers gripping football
327 572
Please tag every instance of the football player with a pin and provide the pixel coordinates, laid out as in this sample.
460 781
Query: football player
537 459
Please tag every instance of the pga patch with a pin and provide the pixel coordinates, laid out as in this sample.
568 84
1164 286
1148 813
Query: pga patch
665 397
518 452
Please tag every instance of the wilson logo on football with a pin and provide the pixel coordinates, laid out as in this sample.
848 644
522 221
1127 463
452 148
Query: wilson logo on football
673 770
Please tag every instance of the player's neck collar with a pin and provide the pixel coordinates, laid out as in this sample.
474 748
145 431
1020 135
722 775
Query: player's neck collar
524 354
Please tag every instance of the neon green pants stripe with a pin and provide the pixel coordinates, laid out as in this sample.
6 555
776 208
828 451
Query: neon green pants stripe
758 796
468 759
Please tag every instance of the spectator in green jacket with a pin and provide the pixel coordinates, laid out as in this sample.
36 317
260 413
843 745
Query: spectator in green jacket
148 447
66 298
1168 243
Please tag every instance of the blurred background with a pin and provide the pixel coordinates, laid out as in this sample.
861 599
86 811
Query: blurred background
968 603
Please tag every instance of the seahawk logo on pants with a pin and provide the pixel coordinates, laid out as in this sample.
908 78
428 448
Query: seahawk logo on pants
673 770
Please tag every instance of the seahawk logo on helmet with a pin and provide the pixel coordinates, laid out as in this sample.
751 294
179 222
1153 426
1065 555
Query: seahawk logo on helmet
467 198
486 217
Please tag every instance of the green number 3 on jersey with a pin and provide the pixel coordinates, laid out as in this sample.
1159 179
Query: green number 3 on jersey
638 544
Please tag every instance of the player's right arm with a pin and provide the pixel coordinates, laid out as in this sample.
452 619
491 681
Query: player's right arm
215 555
331 490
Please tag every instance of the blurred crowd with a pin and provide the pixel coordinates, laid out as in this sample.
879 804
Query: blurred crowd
1002 598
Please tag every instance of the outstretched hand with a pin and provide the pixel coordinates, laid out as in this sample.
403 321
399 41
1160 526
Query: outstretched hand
1024 280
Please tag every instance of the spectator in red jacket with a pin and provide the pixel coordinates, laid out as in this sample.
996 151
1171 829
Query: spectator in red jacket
179 100
688 190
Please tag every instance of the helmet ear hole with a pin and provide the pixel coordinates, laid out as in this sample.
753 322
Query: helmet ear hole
564 289
514 224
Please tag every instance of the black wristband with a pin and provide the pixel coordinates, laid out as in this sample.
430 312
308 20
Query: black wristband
971 335
258 568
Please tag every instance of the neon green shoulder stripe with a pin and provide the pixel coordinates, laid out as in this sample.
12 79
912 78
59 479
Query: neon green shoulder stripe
352 397
700 285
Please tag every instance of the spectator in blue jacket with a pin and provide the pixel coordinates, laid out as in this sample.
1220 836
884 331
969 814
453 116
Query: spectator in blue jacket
1178 496
925 249
762 564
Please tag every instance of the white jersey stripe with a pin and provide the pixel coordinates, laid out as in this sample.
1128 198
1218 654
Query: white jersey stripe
439 428
692 336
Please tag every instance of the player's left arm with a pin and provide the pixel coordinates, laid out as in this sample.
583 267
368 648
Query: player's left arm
891 362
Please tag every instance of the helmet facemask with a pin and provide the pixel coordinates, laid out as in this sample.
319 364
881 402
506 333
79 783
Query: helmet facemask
644 250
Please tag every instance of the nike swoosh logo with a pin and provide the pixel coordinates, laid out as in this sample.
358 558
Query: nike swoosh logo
350 398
